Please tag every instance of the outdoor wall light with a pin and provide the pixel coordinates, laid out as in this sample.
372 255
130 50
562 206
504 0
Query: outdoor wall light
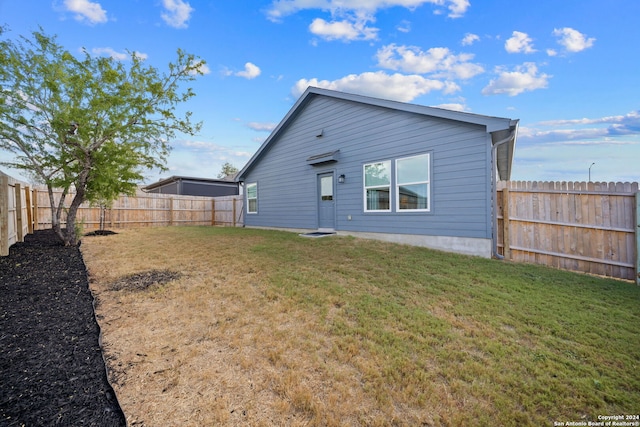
341 179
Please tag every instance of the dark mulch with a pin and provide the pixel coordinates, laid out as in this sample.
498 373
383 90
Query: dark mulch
52 370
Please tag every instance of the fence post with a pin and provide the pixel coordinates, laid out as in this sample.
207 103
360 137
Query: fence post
233 201
637 230
35 209
171 211
27 194
4 215
506 231
19 231
213 211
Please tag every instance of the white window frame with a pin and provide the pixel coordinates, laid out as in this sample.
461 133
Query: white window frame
249 199
426 182
376 187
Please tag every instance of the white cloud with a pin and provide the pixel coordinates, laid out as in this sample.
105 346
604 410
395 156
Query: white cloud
556 135
470 39
343 30
552 52
585 121
203 68
209 147
398 87
262 127
438 60
457 8
619 130
519 43
523 79
118 56
573 40
251 71
404 27
453 106
86 11
177 13
281 8
628 124
351 18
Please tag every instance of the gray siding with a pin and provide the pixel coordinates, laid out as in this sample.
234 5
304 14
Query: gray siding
171 188
208 189
460 160
195 188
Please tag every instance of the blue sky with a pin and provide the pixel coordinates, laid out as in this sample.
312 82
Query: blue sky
569 70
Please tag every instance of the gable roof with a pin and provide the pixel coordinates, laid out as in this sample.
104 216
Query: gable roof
503 130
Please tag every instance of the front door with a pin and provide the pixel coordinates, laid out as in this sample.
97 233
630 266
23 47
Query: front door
326 202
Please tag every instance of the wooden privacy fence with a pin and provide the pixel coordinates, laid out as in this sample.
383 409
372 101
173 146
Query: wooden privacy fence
15 215
147 210
588 227
24 209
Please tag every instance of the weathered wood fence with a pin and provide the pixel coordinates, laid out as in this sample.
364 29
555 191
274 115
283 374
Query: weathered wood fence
147 210
15 215
588 227
24 209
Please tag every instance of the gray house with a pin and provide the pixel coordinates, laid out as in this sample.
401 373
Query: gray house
374 168
190 186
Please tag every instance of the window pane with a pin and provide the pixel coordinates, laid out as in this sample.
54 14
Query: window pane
252 190
326 187
377 200
414 196
377 174
252 198
413 169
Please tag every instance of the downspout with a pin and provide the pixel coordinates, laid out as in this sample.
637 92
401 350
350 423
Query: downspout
494 180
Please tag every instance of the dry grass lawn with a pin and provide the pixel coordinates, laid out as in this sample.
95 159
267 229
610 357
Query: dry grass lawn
261 328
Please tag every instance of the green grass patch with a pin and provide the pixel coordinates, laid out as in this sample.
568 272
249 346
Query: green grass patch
507 341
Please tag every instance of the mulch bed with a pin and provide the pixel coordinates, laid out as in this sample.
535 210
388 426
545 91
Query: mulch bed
52 370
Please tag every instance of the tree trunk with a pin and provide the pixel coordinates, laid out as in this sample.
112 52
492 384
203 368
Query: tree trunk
70 237
56 209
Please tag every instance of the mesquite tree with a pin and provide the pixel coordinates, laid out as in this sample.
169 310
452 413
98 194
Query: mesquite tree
88 125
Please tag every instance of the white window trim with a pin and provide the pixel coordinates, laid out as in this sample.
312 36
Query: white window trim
252 198
374 187
397 185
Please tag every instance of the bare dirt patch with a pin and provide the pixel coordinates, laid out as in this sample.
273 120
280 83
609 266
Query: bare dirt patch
144 280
